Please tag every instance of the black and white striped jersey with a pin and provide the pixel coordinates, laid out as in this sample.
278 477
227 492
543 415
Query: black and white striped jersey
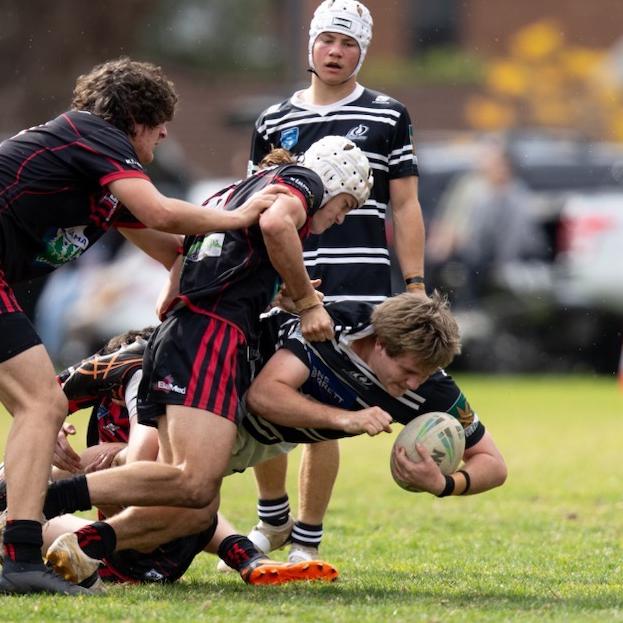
338 377
352 260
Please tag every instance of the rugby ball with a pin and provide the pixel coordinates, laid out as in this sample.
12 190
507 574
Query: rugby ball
440 433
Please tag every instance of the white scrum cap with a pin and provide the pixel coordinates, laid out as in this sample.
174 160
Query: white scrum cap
342 167
347 17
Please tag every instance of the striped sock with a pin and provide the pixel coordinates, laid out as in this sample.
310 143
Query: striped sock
306 534
274 512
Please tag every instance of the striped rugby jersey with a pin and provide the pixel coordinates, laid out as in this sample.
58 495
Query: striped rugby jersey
338 377
352 260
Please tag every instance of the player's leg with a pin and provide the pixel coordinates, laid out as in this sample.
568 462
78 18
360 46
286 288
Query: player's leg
29 391
317 474
273 506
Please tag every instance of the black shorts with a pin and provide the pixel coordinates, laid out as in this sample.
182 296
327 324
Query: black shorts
194 360
166 563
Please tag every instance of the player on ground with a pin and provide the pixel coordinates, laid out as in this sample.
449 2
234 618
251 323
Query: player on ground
108 383
198 362
354 261
383 366
62 185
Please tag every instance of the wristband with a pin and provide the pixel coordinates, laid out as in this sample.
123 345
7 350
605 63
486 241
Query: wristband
449 488
416 279
468 480
307 302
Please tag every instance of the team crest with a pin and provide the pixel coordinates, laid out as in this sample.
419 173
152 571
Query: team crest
289 138
358 133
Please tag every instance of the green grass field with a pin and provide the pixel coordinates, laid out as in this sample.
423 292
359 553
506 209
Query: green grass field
545 547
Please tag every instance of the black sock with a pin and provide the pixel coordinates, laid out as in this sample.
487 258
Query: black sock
274 512
237 551
23 540
307 534
97 540
67 496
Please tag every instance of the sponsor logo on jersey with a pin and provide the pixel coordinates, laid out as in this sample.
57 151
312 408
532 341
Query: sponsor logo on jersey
381 99
360 378
461 410
63 245
289 138
302 186
206 246
358 133
133 163
168 385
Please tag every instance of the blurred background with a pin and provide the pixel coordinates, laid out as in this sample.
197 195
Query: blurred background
518 125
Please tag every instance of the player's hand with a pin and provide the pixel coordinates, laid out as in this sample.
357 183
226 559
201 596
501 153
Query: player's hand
284 301
415 289
101 456
316 324
370 421
424 475
65 457
249 212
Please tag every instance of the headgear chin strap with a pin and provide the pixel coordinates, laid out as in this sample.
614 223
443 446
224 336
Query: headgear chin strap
347 17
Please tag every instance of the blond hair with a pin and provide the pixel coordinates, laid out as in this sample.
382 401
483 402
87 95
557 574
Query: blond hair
408 324
275 157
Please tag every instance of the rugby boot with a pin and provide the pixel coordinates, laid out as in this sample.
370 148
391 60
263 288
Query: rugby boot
302 553
22 578
69 560
267 537
263 572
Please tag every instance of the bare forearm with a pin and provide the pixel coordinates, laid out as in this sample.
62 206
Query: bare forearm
285 406
409 240
485 472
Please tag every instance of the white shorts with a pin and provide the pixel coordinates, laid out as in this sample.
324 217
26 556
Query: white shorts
248 451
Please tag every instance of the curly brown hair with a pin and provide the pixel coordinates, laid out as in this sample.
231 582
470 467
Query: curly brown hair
125 92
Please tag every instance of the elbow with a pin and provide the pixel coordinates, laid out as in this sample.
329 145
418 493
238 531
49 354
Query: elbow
500 474
160 218
254 399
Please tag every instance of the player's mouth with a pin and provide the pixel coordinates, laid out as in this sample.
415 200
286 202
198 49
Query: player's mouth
335 66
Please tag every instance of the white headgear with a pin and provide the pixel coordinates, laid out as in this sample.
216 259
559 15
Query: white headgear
347 17
342 167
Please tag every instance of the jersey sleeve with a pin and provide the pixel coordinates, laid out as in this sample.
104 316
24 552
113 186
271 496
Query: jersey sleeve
443 394
104 154
402 158
306 185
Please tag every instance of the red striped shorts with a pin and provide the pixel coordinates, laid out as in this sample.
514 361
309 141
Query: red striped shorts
16 331
194 360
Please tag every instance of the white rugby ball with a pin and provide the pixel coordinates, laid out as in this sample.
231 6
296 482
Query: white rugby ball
440 433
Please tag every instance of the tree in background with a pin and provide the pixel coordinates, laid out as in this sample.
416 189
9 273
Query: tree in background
546 82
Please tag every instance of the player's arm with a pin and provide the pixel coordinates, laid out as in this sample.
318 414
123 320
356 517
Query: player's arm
280 225
175 216
408 228
482 462
161 246
274 395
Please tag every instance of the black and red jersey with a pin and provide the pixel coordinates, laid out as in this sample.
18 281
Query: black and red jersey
100 382
54 202
229 274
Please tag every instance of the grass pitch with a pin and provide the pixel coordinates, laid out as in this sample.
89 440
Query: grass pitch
547 546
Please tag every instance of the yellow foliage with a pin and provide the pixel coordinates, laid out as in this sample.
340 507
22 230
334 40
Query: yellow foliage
507 77
581 62
537 41
615 128
487 114
547 83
